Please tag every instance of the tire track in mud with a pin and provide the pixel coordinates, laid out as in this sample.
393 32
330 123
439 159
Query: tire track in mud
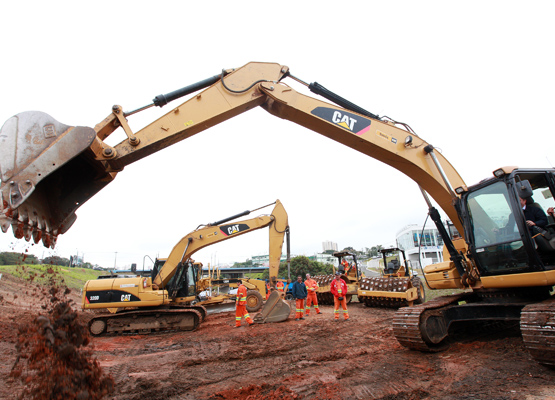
317 358
305 356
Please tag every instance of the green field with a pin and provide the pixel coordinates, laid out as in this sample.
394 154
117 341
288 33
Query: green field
74 278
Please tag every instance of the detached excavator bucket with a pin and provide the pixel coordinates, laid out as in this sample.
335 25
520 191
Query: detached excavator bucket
275 310
47 171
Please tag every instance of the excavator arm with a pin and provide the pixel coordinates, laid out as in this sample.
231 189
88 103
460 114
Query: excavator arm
222 230
45 181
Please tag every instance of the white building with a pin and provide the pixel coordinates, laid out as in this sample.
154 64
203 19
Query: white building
411 237
329 246
265 259
325 258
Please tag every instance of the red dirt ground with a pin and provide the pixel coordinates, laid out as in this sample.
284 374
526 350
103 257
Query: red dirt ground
317 358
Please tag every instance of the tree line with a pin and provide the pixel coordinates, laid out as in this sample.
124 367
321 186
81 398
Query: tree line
300 266
14 258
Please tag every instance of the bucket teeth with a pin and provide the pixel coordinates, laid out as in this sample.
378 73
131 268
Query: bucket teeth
5 223
26 224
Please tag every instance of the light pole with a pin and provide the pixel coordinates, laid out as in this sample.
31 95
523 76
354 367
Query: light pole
115 259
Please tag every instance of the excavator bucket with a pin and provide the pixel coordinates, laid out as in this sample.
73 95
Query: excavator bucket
47 171
275 310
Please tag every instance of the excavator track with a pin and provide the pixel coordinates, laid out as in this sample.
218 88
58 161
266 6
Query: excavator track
148 321
407 324
537 325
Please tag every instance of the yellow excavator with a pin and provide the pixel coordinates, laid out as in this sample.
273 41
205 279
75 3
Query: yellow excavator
50 169
168 300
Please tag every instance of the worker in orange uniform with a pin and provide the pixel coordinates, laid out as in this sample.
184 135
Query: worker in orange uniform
344 265
338 288
267 289
280 286
241 307
311 299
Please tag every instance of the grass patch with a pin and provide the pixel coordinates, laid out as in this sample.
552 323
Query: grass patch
42 274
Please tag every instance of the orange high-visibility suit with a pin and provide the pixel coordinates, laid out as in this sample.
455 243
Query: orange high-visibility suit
280 286
241 307
345 265
311 299
338 288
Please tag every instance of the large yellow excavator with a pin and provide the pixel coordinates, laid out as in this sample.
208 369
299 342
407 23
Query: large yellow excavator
168 299
50 169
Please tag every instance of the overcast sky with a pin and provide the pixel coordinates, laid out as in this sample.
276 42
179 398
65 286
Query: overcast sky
474 78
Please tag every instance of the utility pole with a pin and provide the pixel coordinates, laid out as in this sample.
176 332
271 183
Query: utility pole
115 260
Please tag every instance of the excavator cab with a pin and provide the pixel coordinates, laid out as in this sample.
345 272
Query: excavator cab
392 265
183 284
500 240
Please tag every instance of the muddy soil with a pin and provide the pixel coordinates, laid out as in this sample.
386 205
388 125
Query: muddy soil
317 358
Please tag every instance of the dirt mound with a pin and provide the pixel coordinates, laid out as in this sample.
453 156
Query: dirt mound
53 360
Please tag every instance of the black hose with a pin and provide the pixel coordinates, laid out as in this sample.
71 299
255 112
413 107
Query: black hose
243 90
420 250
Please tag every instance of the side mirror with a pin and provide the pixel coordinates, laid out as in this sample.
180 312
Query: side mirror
524 189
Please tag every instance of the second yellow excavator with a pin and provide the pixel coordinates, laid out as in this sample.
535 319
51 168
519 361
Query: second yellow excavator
168 300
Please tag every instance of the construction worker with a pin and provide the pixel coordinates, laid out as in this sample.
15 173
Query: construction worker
280 286
241 307
267 289
311 299
338 288
299 294
344 266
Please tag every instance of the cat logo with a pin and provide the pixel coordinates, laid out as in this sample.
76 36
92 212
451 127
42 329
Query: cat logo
346 120
233 229
343 120
125 297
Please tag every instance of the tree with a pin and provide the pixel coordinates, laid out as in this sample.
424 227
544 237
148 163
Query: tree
375 250
350 250
13 258
301 265
56 260
247 263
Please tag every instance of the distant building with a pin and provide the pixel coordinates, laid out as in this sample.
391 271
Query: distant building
409 239
324 258
326 246
265 259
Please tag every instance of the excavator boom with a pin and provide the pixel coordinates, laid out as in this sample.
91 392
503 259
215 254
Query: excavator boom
39 200
222 230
